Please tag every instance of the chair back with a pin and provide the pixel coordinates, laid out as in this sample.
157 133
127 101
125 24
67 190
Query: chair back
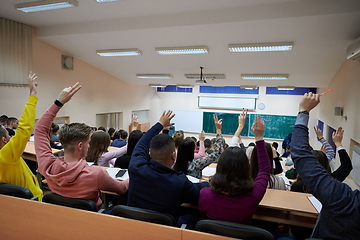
84 204
234 230
15 191
144 215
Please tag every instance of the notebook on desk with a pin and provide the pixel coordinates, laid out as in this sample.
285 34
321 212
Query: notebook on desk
316 203
118 173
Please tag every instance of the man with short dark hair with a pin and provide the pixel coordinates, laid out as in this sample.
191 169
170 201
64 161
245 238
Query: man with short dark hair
13 169
120 139
70 175
154 185
12 123
3 120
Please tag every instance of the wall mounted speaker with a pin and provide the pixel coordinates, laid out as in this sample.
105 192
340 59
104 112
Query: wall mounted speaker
67 62
338 111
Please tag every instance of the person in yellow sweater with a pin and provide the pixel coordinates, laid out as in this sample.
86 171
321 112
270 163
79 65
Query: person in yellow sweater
13 169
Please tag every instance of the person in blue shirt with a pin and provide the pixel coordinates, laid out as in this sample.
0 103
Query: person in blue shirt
120 139
154 185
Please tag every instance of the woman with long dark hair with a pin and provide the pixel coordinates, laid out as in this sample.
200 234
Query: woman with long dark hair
233 195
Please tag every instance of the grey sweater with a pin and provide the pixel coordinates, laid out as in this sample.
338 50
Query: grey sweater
340 214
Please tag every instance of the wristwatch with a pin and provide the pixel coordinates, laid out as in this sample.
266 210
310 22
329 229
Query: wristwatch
304 112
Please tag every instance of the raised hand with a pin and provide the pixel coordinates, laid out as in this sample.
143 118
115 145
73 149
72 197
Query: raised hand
166 118
337 137
32 84
218 124
67 93
309 101
134 122
318 132
242 118
258 128
202 136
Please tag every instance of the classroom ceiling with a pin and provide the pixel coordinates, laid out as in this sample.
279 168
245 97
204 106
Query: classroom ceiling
320 29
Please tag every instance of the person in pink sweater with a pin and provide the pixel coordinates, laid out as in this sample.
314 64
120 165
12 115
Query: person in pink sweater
70 175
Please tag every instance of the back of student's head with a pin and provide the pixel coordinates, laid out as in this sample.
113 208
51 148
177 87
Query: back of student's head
185 154
102 129
99 144
323 160
54 128
117 135
111 131
123 134
207 143
275 145
73 133
134 137
254 163
161 147
178 137
3 119
232 173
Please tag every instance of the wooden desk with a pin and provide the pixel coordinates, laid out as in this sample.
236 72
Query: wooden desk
27 219
30 154
287 207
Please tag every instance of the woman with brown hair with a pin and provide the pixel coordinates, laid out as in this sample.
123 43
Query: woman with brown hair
98 150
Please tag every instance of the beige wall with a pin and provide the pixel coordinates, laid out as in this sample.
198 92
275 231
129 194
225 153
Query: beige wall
100 93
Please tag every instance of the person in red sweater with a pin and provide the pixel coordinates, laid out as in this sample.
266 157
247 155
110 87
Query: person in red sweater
70 175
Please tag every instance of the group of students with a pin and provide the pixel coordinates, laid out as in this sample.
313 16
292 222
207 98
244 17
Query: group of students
157 171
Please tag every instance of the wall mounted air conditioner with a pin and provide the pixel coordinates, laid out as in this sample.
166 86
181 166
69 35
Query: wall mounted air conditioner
353 51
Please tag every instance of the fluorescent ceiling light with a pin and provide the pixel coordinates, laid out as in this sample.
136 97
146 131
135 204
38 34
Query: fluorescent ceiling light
206 76
154 76
265 76
261 47
184 86
119 52
103 1
182 50
285 87
157 85
248 87
45 5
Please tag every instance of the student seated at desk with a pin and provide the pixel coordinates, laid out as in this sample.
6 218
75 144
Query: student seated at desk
98 152
275 182
154 185
13 169
186 161
340 214
70 175
233 195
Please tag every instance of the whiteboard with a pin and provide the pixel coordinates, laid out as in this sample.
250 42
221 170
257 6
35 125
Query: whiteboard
226 102
188 121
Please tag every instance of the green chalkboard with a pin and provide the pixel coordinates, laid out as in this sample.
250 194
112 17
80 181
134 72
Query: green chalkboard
276 126
230 123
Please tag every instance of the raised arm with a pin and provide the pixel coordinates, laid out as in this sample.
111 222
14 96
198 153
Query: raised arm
218 124
42 128
345 167
329 151
18 142
141 150
325 188
201 152
134 122
236 139
261 180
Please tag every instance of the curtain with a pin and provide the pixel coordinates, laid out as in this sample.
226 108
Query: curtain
15 53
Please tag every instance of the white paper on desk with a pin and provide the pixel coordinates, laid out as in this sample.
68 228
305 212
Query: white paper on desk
113 171
193 179
316 203
208 171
